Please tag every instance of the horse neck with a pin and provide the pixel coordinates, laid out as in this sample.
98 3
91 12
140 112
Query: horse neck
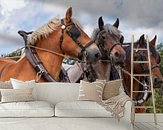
126 77
102 70
52 62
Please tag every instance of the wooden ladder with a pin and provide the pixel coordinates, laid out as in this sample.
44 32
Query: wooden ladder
149 75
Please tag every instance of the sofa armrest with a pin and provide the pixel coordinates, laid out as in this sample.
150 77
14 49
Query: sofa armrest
126 119
127 112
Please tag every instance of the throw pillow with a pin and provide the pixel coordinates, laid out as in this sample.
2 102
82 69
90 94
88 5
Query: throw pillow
5 85
16 95
18 84
91 91
111 89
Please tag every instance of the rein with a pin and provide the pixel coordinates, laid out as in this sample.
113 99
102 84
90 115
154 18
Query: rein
43 49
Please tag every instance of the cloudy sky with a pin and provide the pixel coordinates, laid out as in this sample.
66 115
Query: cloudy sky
136 17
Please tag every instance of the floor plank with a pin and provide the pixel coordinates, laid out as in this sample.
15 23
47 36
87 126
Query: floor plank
152 126
141 126
161 124
136 128
148 126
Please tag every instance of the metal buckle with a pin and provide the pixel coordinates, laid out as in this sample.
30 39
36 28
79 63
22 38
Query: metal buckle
63 27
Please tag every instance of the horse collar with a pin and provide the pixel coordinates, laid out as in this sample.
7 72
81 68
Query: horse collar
37 64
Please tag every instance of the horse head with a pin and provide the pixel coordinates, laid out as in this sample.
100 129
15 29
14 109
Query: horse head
108 39
154 57
155 61
66 37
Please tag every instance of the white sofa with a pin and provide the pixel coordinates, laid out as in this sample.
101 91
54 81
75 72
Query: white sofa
66 94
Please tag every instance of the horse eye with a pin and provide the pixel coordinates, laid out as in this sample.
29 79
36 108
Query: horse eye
103 37
121 40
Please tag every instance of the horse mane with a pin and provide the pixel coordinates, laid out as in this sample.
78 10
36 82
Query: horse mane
109 28
43 31
95 33
46 29
113 30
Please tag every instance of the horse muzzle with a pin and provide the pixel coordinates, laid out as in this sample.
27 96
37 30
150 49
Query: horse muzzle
90 54
118 59
157 82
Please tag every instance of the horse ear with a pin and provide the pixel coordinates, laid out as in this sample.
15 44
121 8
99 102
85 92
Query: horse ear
100 23
116 24
141 40
153 41
68 14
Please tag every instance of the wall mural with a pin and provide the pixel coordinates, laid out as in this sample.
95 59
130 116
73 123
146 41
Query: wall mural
62 50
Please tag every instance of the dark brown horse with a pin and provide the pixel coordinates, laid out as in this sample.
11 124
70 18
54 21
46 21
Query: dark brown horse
46 48
108 39
141 97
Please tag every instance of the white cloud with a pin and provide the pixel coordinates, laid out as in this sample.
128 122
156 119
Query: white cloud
9 5
88 29
128 31
30 14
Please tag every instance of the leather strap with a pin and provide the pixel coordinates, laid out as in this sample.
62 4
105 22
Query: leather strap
37 64
34 60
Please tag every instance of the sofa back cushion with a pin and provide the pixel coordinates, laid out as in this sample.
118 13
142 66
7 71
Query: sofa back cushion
55 92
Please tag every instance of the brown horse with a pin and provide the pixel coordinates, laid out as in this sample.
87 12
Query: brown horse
141 97
108 38
46 48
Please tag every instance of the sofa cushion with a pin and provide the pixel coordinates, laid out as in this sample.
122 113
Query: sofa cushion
91 91
26 109
5 85
80 109
111 89
18 84
16 95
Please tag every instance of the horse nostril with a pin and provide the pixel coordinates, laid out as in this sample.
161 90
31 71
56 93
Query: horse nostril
157 80
116 54
97 55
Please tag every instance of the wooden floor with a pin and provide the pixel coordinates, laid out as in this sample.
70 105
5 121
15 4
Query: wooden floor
148 126
146 122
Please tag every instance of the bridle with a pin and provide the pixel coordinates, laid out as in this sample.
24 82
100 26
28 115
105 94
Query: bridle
106 52
74 33
140 57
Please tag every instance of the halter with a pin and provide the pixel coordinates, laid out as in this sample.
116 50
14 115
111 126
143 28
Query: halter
74 33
